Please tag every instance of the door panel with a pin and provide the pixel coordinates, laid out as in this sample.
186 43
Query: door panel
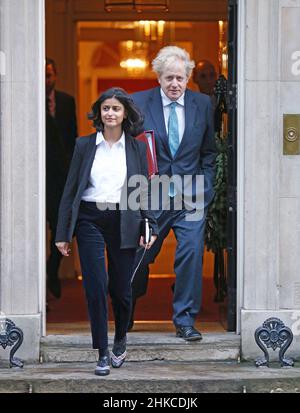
232 162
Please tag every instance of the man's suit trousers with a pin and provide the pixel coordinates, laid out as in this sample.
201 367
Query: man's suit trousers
187 266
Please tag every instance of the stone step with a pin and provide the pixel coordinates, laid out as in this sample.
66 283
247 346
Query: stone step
151 377
144 347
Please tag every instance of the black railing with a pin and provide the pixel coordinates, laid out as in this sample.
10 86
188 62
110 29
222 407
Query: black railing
273 334
10 335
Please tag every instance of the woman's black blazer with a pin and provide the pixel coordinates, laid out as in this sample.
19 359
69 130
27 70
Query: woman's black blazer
77 181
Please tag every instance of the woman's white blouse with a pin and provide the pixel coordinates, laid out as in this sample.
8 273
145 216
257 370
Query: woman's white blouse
108 171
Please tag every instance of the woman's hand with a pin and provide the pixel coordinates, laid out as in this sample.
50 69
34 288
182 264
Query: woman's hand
64 248
149 245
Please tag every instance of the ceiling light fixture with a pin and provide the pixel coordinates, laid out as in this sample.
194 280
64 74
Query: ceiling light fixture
136 5
133 56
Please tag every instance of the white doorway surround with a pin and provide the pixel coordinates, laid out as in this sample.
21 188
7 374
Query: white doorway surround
268 181
22 134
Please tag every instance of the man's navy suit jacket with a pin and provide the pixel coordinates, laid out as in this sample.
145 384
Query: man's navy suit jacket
65 117
197 150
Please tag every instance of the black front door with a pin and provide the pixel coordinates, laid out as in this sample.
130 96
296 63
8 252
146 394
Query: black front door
232 164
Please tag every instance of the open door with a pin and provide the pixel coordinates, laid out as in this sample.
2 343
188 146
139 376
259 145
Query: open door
232 164
99 46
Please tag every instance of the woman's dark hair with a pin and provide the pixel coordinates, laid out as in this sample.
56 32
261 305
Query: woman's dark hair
132 125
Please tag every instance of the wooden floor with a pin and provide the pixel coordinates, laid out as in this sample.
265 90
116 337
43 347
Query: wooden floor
68 315
155 305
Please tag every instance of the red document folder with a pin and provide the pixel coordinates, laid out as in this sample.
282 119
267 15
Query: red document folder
148 138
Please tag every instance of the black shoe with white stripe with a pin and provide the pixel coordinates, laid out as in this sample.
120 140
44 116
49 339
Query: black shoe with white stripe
118 353
102 368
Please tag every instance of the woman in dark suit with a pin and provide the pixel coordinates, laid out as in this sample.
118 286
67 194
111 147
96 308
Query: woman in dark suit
97 205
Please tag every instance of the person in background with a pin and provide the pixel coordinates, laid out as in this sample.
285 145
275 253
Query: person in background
183 128
62 108
205 76
95 204
56 172
61 116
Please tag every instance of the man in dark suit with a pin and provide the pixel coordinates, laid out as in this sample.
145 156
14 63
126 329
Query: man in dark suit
61 126
62 108
183 127
205 76
56 172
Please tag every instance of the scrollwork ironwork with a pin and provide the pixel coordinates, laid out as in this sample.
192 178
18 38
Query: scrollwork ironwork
273 334
10 335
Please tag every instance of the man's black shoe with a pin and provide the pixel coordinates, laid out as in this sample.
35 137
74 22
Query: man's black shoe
54 286
118 353
188 333
102 368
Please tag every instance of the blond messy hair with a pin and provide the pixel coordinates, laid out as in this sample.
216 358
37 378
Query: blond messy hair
170 54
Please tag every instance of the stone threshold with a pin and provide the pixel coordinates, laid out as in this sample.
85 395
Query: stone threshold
144 346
